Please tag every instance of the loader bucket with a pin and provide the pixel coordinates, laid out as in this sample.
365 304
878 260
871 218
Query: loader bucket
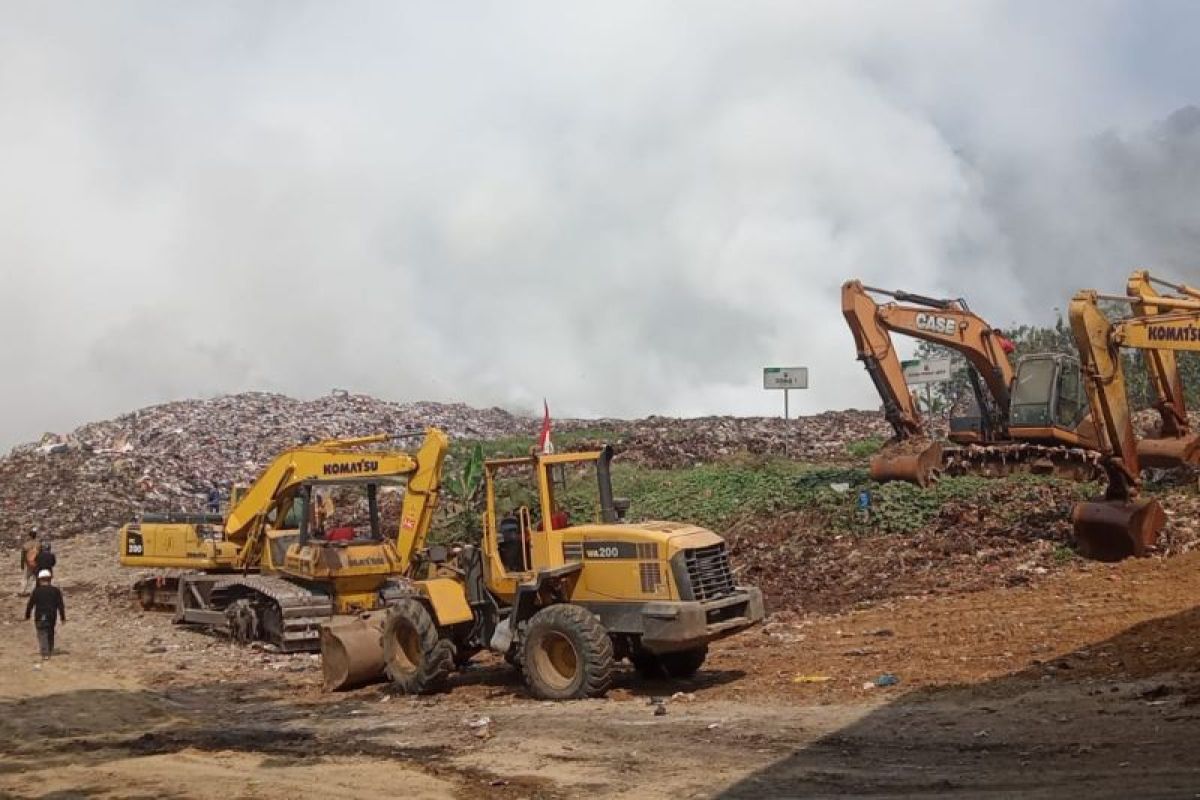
1169 452
351 651
904 462
1110 530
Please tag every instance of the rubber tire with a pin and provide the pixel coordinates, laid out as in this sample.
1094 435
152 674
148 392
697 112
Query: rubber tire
592 649
430 659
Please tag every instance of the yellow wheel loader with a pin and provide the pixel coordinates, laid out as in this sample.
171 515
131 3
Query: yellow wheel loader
304 545
561 599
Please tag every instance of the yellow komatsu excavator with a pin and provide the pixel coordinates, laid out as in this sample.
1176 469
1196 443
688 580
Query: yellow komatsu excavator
1121 523
561 598
1174 443
1031 417
281 563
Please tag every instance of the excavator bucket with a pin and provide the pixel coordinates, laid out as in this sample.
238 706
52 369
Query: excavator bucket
915 462
1169 452
1110 530
352 651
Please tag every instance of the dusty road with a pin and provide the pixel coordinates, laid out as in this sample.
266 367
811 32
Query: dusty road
1087 683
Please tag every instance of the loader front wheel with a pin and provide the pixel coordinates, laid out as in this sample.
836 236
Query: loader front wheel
415 658
566 654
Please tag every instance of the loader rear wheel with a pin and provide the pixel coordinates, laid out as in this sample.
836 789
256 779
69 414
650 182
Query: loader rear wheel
566 654
415 658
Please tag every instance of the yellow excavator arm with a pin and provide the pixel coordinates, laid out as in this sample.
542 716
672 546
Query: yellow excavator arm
421 497
1161 363
1121 523
325 459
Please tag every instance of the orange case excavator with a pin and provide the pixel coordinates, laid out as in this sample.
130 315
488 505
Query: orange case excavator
1031 417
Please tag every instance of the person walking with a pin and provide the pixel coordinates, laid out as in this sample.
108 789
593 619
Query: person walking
46 604
45 559
29 552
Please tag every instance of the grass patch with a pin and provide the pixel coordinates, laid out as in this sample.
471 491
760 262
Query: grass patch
864 448
716 494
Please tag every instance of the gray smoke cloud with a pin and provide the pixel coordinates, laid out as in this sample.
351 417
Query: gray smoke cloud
627 208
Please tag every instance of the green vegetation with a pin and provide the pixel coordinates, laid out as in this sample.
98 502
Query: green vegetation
718 494
1062 553
865 448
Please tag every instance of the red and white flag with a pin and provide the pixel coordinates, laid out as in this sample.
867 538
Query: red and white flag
544 444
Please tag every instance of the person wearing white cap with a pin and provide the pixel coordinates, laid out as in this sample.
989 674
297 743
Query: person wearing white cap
46 603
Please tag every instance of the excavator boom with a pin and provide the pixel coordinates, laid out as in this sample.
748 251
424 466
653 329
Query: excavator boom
878 355
328 458
1175 444
421 497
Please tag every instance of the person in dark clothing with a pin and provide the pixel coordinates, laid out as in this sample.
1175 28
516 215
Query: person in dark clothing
46 604
214 500
45 559
509 531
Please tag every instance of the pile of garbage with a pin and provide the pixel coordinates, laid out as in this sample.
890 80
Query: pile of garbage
668 443
168 457
1011 533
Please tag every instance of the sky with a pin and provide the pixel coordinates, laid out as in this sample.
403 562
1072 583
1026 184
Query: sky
625 207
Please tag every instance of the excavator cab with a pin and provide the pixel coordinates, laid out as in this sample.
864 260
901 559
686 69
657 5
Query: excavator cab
1048 399
966 421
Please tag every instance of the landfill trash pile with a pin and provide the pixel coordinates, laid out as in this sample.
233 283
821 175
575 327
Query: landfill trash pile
1147 421
169 457
668 442
800 563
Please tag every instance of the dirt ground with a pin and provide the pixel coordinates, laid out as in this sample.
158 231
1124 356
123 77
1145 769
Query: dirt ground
1085 682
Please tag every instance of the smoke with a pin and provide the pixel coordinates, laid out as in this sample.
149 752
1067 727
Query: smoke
626 208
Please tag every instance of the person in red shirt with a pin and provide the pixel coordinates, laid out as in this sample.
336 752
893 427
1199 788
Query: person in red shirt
1006 344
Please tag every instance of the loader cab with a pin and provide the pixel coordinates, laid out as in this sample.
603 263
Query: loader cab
1048 398
531 500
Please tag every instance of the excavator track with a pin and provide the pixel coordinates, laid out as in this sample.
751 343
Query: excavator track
282 612
997 461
